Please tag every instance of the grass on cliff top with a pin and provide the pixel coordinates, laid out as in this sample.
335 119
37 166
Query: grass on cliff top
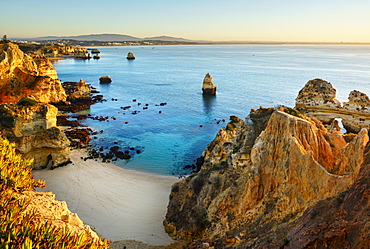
19 229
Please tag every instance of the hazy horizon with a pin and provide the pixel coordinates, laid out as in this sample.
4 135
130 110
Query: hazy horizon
234 20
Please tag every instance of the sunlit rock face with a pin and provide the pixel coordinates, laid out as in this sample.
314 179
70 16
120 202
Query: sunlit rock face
33 129
318 99
79 92
130 56
46 209
263 171
317 92
22 75
208 87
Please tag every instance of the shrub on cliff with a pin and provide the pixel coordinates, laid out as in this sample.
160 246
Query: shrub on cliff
19 229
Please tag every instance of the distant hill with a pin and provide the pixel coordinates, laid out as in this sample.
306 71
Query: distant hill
166 38
110 38
92 37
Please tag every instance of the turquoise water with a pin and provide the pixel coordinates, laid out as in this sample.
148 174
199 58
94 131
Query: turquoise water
246 76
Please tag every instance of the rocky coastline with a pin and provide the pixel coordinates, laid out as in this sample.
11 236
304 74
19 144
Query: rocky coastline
264 179
282 178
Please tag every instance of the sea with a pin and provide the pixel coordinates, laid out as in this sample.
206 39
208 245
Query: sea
169 122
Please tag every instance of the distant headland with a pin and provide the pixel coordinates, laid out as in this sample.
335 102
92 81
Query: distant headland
127 40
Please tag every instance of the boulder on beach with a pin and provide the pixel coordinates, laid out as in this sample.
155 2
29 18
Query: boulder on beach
208 87
105 79
130 56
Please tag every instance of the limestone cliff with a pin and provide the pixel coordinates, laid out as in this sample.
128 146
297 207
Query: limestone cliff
32 128
208 87
22 75
46 208
318 99
262 172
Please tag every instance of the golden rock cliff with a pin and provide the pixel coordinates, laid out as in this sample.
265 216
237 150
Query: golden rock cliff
33 129
318 99
22 75
262 172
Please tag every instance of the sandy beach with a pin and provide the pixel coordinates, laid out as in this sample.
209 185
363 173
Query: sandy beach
119 204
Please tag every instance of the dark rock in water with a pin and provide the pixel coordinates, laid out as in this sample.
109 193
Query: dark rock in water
105 79
130 56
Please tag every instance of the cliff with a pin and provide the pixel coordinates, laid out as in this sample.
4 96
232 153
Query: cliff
36 220
22 75
260 173
32 127
318 99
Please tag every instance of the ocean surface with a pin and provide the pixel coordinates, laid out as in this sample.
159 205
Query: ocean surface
174 134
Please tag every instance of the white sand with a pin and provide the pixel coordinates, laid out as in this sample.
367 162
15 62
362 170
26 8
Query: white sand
119 204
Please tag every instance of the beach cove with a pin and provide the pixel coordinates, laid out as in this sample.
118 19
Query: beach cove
119 204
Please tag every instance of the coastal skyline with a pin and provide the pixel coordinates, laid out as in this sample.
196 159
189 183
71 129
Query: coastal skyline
234 20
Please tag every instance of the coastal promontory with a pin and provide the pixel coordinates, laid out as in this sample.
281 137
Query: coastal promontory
27 74
264 175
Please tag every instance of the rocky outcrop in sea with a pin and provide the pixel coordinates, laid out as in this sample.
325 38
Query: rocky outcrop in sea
318 99
208 87
261 174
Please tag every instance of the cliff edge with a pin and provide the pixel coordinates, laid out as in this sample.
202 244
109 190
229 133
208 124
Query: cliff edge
27 74
263 171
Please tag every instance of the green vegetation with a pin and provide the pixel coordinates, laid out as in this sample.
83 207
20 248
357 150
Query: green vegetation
198 183
19 229
175 188
236 149
6 119
27 102
285 241
202 220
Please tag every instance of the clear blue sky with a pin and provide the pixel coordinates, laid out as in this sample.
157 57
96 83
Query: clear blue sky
242 20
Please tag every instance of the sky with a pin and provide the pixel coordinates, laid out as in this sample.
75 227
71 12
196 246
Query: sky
213 20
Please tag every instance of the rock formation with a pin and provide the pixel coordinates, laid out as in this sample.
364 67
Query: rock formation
46 208
208 87
318 99
22 75
130 56
105 79
79 91
260 173
32 127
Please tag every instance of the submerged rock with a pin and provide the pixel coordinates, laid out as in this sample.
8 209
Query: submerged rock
208 87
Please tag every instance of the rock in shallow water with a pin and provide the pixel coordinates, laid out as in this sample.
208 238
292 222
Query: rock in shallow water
105 79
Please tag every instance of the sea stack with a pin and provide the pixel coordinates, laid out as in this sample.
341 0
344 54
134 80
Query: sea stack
208 87
130 56
105 79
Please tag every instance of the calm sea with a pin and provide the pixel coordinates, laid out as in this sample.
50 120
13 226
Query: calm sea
173 135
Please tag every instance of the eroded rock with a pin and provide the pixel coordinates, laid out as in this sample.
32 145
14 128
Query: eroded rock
263 171
208 87
32 129
22 75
